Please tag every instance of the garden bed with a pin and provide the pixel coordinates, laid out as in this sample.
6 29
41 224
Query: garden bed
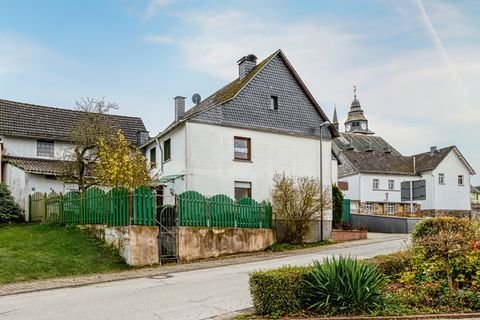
348 235
438 275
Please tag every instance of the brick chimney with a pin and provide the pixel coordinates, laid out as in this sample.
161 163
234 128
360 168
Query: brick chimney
179 107
246 65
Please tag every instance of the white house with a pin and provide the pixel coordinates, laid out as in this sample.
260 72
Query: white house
233 142
34 140
371 173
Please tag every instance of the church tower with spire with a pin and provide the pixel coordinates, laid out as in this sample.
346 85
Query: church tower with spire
335 118
356 121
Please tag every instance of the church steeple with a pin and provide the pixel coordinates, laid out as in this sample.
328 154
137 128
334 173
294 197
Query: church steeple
356 121
335 118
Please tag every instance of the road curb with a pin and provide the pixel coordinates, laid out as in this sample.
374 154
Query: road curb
251 311
92 279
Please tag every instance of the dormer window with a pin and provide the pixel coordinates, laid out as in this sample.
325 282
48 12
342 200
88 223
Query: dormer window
45 148
274 102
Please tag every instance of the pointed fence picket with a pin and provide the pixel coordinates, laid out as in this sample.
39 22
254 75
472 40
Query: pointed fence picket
196 210
121 207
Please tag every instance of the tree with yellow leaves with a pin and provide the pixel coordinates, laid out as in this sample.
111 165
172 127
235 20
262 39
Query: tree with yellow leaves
120 164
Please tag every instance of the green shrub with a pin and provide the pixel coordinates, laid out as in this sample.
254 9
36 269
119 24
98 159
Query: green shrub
280 291
393 264
434 226
9 209
337 199
345 286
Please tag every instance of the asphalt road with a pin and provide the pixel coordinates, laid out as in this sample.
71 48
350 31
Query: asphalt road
199 294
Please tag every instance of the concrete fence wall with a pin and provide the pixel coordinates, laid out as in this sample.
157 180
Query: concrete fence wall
313 234
138 245
384 224
196 243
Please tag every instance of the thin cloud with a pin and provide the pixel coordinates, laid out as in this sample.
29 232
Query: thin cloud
408 90
154 6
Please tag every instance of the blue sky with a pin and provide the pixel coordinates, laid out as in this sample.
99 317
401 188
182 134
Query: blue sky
416 63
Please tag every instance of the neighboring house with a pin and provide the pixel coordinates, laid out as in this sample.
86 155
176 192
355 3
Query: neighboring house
371 172
475 195
34 141
233 142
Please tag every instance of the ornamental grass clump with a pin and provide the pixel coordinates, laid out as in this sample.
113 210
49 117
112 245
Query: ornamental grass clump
345 285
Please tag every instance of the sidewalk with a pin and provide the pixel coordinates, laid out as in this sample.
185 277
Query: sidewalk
75 281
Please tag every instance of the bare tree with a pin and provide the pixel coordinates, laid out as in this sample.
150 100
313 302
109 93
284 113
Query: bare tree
92 125
298 200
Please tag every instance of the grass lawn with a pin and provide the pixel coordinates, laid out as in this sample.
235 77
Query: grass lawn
279 247
39 251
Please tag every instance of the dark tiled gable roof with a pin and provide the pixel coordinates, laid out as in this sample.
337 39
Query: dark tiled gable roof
383 163
373 162
35 165
426 162
231 90
23 119
362 142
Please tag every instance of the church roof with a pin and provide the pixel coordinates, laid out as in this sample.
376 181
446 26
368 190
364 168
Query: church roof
375 162
362 143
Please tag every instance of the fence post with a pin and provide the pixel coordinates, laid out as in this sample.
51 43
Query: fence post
130 207
260 215
45 207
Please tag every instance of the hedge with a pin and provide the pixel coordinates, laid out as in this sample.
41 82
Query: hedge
394 263
280 291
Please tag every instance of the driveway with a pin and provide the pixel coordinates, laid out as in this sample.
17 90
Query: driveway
196 294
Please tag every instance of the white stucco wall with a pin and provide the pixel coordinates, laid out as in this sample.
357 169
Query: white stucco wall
360 187
450 195
177 163
15 179
27 147
24 184
211 168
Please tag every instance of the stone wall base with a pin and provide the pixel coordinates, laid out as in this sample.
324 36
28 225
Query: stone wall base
196 243
447 213
138 245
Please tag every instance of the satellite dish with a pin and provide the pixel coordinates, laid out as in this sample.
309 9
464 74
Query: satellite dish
196 98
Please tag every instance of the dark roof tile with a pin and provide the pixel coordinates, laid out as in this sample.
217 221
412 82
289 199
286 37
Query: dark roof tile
23 119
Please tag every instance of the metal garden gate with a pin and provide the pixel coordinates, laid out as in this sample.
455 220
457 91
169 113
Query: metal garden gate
167 222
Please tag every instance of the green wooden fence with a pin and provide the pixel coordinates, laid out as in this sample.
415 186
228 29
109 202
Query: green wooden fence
117 207
120 207
196 210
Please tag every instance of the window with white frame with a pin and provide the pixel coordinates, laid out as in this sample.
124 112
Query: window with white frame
460 180
369 207
243 189
391 208
391 184
376 184
441 178
45 148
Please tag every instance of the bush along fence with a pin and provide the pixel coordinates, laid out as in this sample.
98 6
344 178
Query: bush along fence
196 210
121 207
